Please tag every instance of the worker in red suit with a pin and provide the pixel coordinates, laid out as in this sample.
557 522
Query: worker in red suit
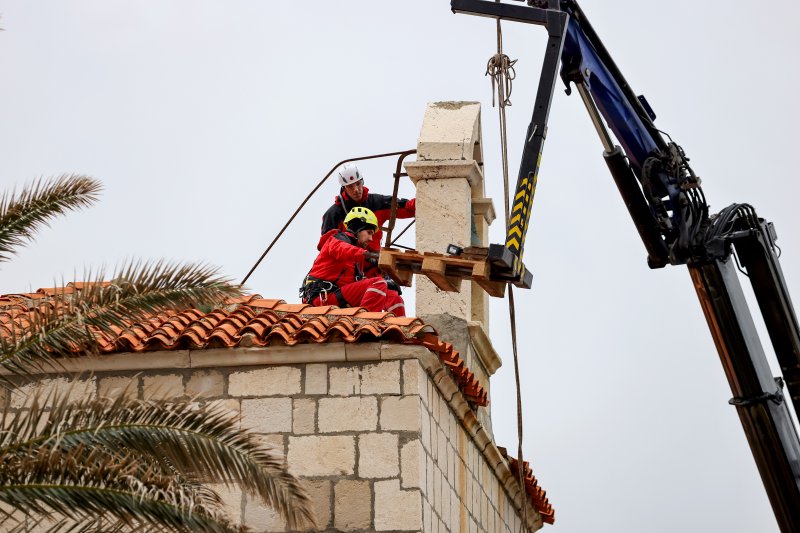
337 276
354 194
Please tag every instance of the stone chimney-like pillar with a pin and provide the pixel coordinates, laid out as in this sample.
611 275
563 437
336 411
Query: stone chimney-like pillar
452 209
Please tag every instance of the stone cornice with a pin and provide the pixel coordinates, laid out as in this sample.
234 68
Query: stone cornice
483 347
444 169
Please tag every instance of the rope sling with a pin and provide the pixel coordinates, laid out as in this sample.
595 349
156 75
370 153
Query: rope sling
500 68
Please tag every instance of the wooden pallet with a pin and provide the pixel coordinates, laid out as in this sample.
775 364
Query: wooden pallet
445 271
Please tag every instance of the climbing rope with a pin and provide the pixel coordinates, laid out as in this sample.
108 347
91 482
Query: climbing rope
501 70
307 198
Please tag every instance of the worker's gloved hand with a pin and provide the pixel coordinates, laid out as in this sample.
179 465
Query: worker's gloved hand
371 258
392 285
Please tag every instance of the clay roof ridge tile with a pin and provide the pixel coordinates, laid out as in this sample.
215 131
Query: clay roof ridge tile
290 308
279 332
317 310
346 311
160 342
264 303
193 339
249 340
220 338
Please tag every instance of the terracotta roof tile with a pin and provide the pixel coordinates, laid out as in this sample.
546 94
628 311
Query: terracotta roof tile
265 304
537 495
52 291
247 321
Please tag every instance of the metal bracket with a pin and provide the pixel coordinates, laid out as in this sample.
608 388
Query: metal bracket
507 264
774 397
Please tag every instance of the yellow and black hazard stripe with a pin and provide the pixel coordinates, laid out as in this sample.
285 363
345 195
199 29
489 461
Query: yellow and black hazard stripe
519 217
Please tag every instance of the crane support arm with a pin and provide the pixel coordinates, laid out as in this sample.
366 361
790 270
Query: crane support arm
668 207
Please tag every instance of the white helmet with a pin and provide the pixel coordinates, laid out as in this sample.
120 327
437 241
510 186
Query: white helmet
349 174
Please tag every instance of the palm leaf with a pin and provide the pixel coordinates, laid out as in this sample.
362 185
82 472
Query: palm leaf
73 323
195 443
93 487
23 214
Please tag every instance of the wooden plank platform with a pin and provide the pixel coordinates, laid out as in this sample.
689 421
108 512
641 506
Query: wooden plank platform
445 271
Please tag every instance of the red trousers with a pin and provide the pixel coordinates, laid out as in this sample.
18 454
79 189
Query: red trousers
370 293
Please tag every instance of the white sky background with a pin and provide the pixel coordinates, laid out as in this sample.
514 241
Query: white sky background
208 122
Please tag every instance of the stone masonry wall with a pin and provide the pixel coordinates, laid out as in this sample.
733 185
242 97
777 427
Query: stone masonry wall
380 434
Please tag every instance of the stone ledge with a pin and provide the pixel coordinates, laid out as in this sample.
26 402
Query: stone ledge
444 169
483 348
485 207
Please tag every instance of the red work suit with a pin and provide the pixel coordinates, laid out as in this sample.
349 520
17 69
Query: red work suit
342 263
379 204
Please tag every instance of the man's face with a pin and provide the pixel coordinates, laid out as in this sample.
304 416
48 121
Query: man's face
364 237
355 190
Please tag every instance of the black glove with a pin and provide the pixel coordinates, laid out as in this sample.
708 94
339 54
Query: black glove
371 258
391 284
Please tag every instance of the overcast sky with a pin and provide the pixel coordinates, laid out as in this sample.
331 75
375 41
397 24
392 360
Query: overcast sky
208 122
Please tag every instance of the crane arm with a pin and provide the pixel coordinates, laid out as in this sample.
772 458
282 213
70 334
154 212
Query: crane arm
667 205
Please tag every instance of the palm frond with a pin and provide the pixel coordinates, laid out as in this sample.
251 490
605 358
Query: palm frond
196 443
23 214
73 323
92 486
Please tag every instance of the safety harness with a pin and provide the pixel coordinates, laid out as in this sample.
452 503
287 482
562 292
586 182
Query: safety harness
314 287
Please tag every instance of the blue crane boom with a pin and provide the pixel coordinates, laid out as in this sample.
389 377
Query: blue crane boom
666 202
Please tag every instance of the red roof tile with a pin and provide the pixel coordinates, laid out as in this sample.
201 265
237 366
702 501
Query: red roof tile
249 321
537 495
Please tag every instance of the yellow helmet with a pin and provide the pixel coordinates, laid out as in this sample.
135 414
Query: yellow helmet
360 218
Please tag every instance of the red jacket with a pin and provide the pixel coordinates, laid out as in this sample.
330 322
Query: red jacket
379 204
339 261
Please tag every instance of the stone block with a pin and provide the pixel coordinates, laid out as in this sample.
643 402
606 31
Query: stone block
163 386
370 351
73 390
333 455
231 405
316 379
425 430
347 414
231 500
114 386
444 216
353 505
393 352
259 517
397 509
430 473
445 512
377 455
319 490
449 132
437 490
401 413
206 384
276 442
304 416
267 415
451 463
415 380
426 516
381 378
271 381
268 355
441 452
412 464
